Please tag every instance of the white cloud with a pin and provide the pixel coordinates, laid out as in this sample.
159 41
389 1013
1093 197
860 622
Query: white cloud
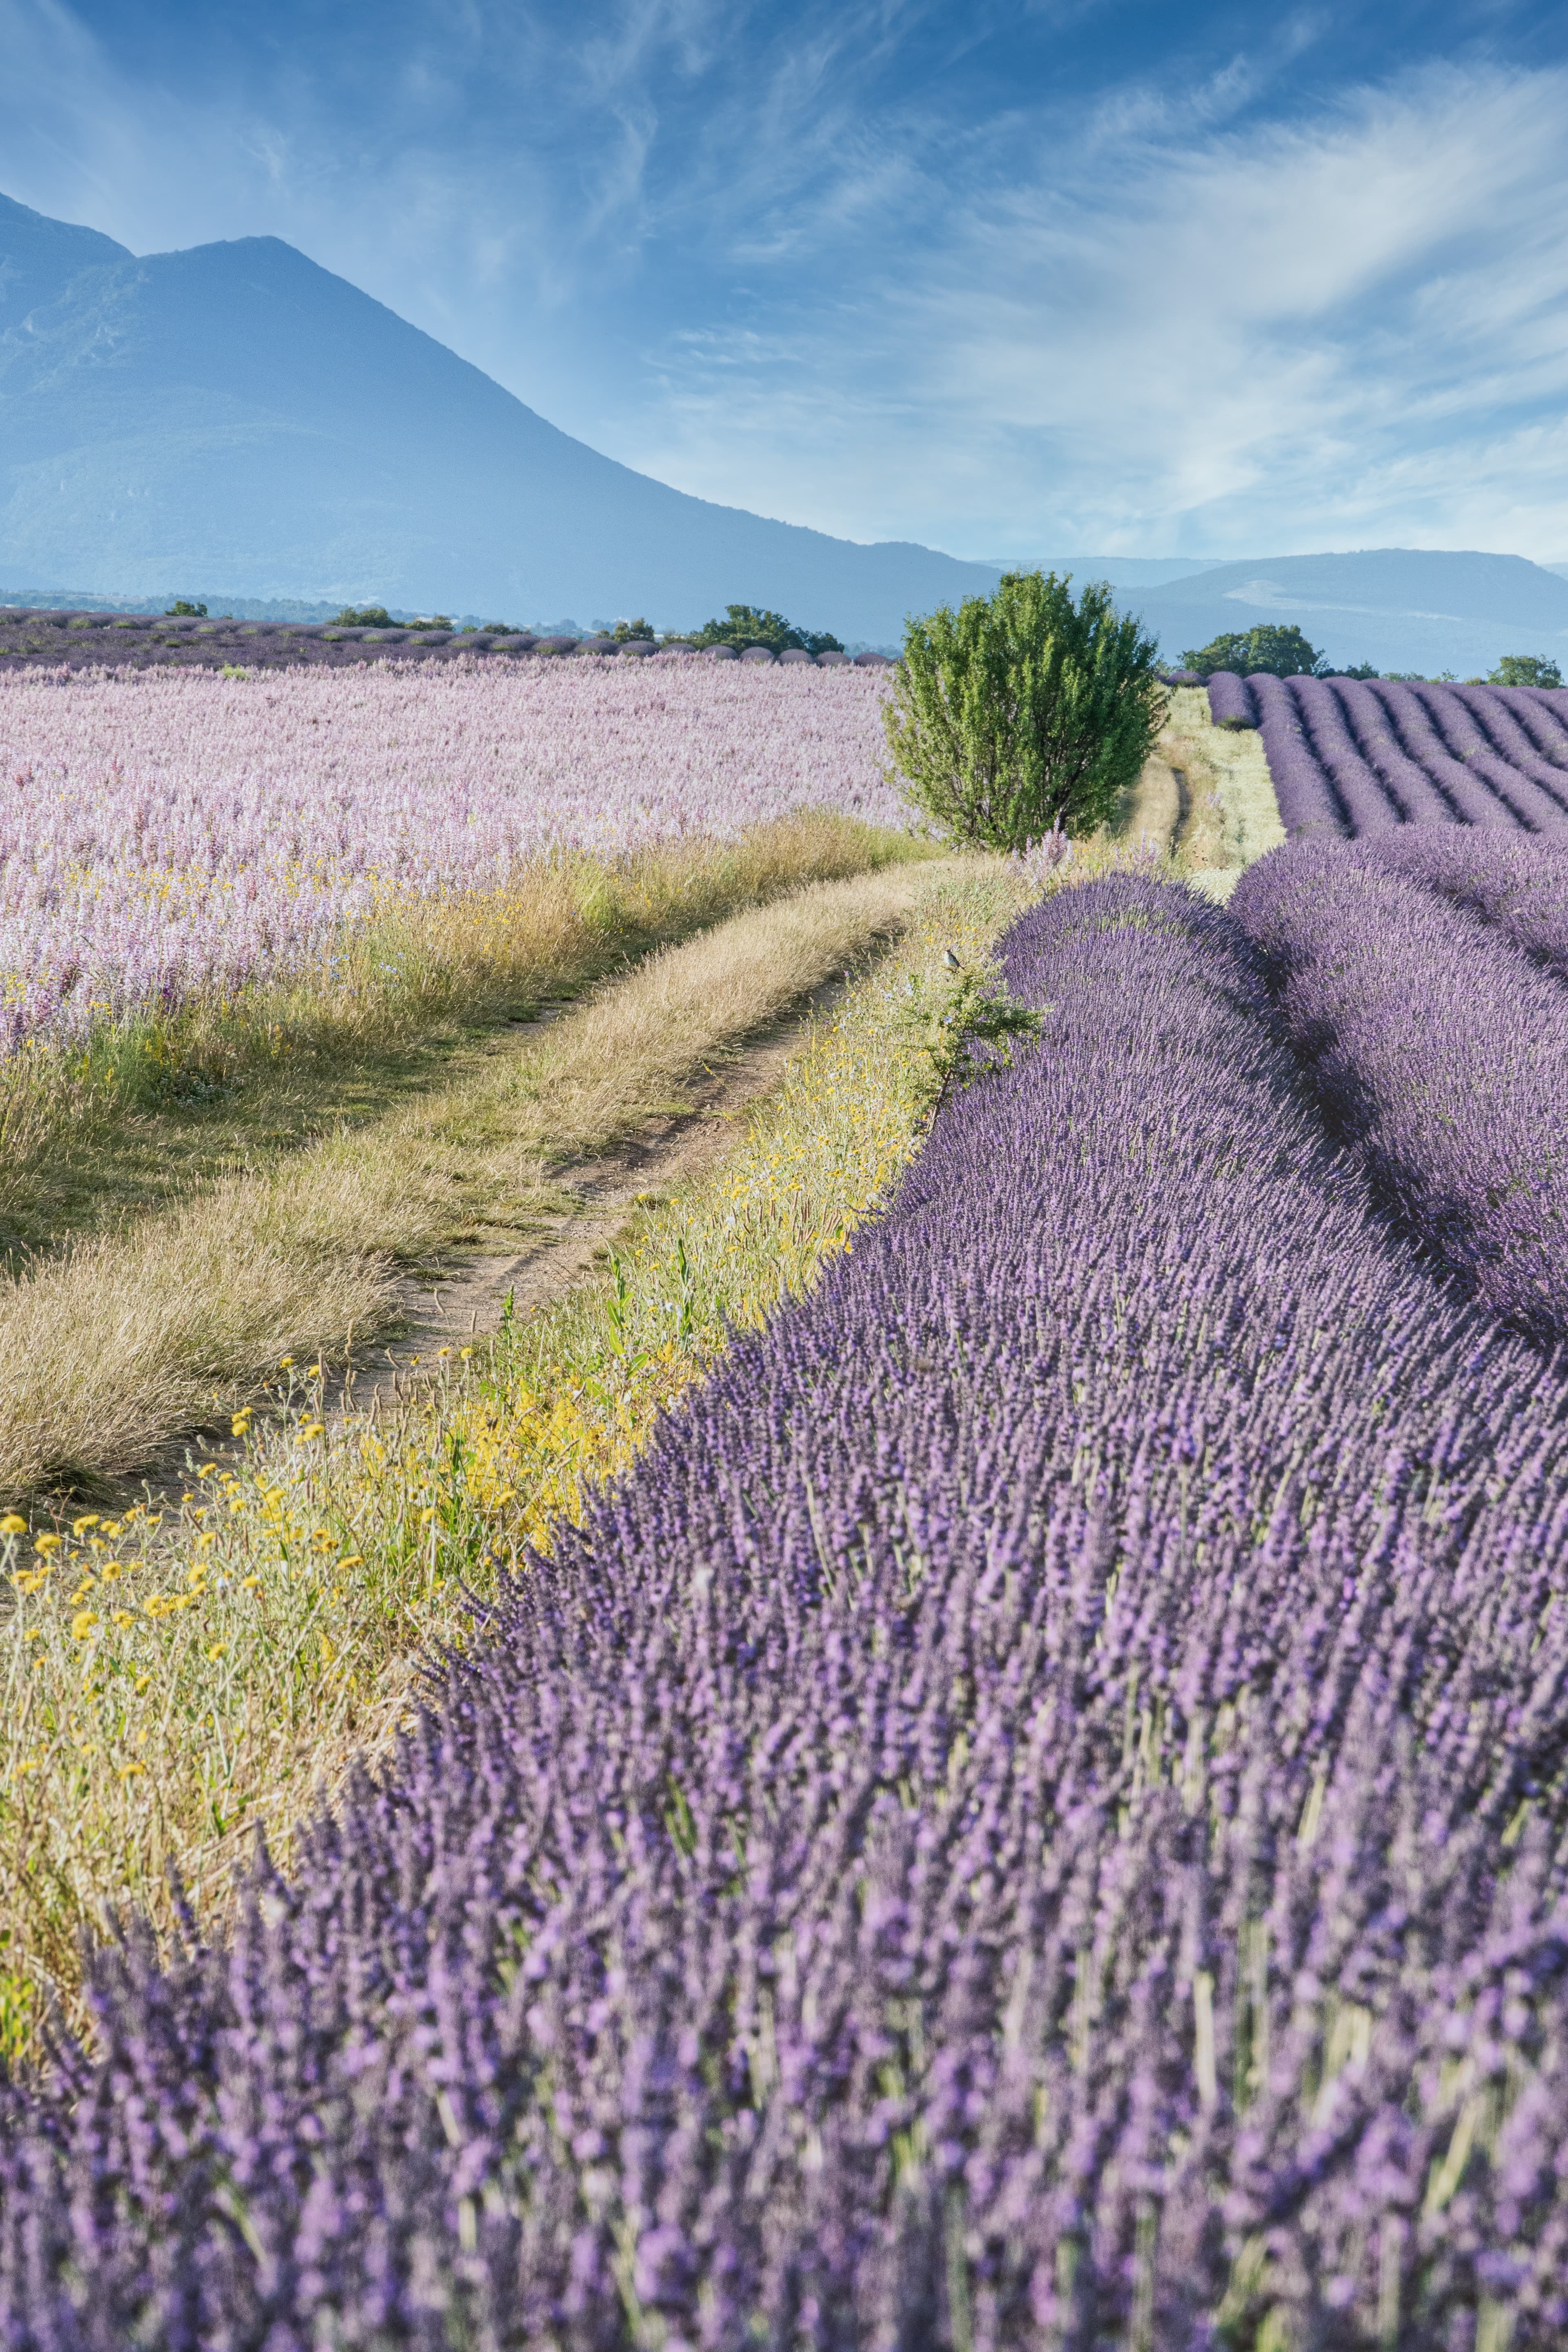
1225 340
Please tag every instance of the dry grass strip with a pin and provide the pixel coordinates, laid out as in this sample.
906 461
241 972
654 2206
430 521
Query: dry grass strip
117 1345
151 1105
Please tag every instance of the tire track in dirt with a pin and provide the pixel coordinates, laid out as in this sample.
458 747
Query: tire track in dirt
463 1303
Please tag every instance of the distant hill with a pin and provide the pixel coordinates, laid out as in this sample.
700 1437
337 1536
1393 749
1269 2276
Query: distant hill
1398 608
234 418
1120 570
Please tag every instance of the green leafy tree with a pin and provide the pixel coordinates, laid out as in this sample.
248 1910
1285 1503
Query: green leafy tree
1023 711
1284 653
746 625
627 632
363 616
180 610
1525 669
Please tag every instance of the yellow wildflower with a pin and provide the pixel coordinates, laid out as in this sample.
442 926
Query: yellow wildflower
13 1525
83 1624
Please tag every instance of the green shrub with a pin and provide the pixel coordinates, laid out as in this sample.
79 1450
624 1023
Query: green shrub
363 616
746 625
1284 653
180 610
1525 669
1024 711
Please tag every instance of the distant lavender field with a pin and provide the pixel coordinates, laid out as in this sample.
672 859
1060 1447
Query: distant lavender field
164 832
71 640
1352 756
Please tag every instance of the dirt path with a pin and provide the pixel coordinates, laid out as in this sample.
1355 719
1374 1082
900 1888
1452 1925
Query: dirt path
465 1302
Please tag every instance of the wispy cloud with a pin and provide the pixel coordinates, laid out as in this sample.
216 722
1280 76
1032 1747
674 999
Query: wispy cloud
1225 339
890 268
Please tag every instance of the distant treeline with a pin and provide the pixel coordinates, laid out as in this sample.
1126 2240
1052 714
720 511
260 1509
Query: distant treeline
1274 652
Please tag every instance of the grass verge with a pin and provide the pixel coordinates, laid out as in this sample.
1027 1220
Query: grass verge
171 1684
154 1106
1232 815
120 1343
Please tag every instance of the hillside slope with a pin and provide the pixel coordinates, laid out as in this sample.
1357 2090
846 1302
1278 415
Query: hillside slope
233 415
1400 608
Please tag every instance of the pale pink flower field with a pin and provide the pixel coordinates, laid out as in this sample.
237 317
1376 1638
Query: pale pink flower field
166 830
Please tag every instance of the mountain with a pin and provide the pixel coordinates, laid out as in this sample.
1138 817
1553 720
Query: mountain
233 417
1396 607
1120 570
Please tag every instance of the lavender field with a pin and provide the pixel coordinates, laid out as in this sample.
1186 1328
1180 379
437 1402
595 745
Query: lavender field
1353 757
1035 1814
166 832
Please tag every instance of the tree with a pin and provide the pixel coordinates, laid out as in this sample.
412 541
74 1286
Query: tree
1283 652
631 633
363 616
180 610
1024 711
746 626
1525 669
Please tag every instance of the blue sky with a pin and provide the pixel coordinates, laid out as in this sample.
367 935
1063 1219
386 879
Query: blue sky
1012 279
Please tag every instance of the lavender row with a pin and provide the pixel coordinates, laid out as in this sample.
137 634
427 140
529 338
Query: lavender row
1354 757
1519 885
1034 1815
1437 1052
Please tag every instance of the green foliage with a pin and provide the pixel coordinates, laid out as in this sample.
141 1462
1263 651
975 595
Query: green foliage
745 626
180 610
632 632
1283 652
1525 669
1024 711
363 616
965 1008
1362 669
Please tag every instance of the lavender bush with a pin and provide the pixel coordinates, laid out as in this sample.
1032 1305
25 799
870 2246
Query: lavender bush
1516 884
1356 757
1435 1051
1033 1816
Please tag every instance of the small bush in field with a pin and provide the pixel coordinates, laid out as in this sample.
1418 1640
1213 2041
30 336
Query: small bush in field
748 624
1281 652
1525 669
1024 711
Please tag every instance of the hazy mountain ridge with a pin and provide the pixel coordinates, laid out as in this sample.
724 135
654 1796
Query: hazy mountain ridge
235 413
1398 608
